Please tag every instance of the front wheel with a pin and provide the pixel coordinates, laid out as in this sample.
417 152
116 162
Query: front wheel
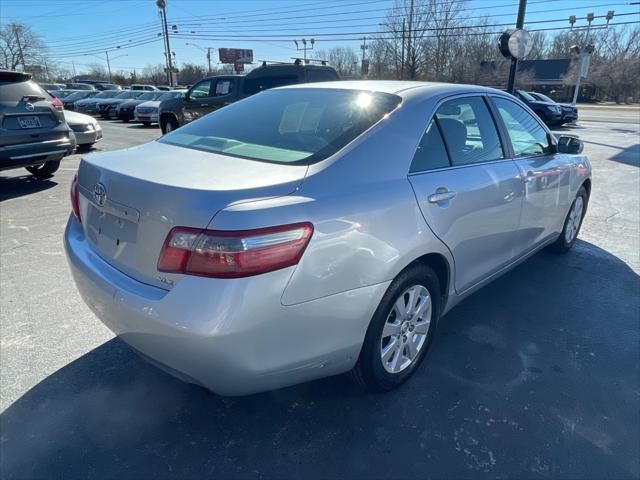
146 124
401 330
572 223
169 125
45 170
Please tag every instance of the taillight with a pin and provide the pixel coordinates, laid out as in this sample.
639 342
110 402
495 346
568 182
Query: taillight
57 103
73 193
233 254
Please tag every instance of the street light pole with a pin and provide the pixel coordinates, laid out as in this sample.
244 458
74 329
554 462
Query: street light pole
162 4
522 7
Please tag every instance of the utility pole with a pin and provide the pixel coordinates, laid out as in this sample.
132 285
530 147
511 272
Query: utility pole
162 5
108 65
364 68
402 54
16 30
409 55
522 7
73 65
304 46
209 59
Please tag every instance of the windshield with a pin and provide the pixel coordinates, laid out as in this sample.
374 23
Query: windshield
78 95
543 97
526 96
148 96
107 94
128 94
295 126
170 95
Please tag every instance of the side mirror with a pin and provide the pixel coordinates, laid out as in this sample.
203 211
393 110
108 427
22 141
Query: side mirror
570 144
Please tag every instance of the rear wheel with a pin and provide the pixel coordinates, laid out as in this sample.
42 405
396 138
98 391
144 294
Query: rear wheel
401 330
572 223
45 170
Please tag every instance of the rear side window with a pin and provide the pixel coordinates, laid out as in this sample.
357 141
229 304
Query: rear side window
431 152
15 91
223 87
321 75
293 126
527 136
255 85
469 131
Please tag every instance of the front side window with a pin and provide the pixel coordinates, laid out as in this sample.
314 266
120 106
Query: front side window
201 90
527 136
431 152
469 131
294 126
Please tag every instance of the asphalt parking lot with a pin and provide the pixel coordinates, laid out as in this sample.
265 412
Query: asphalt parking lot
535 376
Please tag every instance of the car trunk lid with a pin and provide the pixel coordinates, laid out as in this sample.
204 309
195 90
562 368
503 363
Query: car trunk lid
132 198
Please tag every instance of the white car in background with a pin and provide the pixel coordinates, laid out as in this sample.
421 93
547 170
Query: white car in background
147 112
86 128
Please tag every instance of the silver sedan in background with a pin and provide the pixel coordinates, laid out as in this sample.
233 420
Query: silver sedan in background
318 229
86 128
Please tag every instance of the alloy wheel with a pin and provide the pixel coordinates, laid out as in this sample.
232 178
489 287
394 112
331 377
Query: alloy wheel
573 222
406 328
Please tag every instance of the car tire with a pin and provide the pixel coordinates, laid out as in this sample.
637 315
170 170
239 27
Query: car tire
125 120
385 358
146 124
46 170
572 225
169 125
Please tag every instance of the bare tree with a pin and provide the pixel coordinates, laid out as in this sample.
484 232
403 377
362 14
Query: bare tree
19 45
343 59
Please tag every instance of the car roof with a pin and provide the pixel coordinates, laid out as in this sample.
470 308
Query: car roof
397 87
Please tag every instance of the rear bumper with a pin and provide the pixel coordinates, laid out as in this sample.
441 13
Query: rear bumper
124 115
35 153
232 336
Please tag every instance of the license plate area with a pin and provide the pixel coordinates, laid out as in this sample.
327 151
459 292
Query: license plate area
29 122
112 235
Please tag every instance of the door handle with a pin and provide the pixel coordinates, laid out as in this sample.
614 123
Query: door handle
441 196
528 178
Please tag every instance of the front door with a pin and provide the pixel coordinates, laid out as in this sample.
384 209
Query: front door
468 190
545 175
198 100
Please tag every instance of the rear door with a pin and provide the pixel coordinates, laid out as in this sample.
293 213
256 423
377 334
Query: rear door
468 189
546 176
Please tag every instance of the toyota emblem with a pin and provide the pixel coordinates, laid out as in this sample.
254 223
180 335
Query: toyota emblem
100 194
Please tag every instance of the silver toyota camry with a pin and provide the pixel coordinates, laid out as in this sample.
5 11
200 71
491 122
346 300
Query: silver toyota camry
318 229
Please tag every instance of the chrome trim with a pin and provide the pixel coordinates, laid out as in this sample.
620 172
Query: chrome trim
41 154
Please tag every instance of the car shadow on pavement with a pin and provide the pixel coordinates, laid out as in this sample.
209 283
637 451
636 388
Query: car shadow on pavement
537 375
628 155
14 187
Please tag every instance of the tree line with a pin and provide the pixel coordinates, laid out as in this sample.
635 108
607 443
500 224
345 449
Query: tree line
428 40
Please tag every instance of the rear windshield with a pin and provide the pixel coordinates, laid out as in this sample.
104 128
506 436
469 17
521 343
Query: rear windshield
295 126
16 91
149 96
